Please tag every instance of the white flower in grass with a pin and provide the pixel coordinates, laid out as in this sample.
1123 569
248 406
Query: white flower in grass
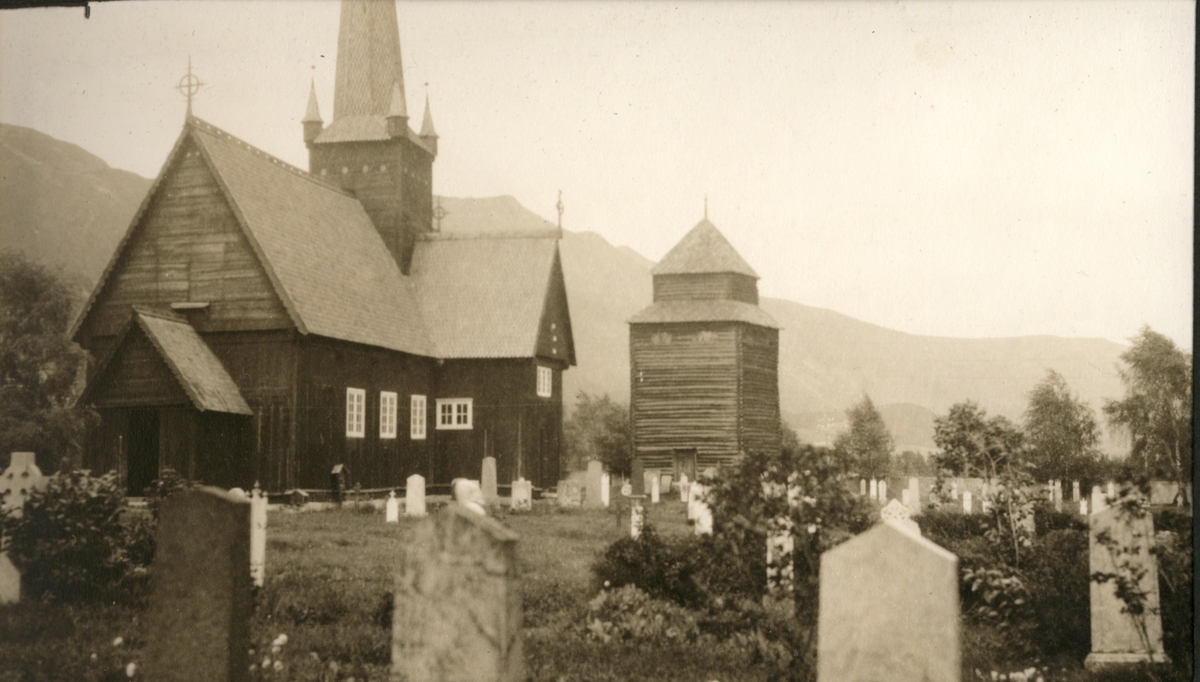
278 665
266 662
280 640
93 657
130 669
118 641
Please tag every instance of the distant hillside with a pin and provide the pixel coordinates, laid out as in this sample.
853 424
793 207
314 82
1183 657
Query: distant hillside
61 205
64 206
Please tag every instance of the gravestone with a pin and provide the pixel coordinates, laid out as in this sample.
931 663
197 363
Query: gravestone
683 488
595 474
654 491
468 495
487 478
1119 638
666 480
414 495
20 479
522 495
1075 491
906 498
258 535
570 493
626 489
888 610
701 513
1164 492
1099 503
457 604
198 621
862 487
1083 508
638 477
637 516
873 490
649 475
966 500
605 489
391 508
954 490
1111 490
914 495
883 490
897 514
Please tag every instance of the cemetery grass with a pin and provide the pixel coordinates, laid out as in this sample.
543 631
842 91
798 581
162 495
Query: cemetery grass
328 590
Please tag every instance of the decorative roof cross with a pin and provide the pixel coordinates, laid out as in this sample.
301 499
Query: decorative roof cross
559 206
189 85
438 214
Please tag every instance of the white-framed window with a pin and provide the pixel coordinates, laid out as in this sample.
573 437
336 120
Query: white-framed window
416 424
356 405
545 382
387 414
454 413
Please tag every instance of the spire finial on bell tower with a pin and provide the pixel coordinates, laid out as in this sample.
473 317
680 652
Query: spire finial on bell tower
312 115
706 207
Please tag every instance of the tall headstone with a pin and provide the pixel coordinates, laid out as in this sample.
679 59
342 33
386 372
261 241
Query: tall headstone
1111 490
1075 491
873 490
665 482
872 625
883 490
570 493
954 489
19 480
1083 510
391 508
862 487
457 609
1099 502
905 498
198 621
414 495
1164 492
487 481
899 515
522 495
966 500
1120 638
637 516
914 495
606 489
595 474
684 486
258 535
654 491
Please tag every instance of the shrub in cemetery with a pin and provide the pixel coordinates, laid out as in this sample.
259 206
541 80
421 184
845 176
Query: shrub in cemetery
630 614
663 569
1173 549
69 540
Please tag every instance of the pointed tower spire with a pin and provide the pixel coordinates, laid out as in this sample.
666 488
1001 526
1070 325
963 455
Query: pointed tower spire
368 59
428 135
312 116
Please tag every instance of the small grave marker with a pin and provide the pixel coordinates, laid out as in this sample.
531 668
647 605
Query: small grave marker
637 516
570 493
654 491
873 490
1099 503
667 480
683 488
883 490
888 610
414 495
966 500
457 604
595 475
1083 508
522 495
1075 491
392 508
862 487
606 489
487 478
1119 638
914 495
258 535
626 489
897 514
198 621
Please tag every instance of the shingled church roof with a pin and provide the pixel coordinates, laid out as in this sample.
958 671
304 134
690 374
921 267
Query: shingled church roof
703 250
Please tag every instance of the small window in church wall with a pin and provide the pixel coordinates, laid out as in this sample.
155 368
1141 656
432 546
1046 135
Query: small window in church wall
454 414
416 427
545 382
387 414
356 405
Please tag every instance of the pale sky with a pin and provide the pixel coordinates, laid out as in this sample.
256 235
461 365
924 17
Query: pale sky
967 169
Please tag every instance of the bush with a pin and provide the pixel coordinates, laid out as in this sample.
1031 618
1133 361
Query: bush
664 570
69 540
627 613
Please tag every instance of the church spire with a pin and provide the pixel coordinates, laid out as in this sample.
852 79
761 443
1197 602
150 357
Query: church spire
368 59
428 135
312 116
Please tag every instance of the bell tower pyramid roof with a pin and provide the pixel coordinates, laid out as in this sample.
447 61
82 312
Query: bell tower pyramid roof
368 59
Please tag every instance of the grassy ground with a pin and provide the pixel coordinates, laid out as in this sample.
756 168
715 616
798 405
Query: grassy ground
328 585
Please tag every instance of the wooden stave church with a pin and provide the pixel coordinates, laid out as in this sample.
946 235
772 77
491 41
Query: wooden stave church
704 361
247 298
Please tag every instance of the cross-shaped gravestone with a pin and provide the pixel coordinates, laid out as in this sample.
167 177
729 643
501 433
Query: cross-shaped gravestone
888 610
457 604
198 621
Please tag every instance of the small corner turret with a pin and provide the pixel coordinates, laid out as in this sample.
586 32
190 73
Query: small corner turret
312 118
397 116
428 135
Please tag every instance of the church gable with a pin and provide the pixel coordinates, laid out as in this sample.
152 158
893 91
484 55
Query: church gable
135 375
187 250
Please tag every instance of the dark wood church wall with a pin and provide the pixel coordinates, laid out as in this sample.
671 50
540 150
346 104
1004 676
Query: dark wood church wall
758 350
325 369
684 384
522 430
706 287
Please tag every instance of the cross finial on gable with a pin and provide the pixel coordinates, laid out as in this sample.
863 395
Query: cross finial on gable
706 207
189 85
559 206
